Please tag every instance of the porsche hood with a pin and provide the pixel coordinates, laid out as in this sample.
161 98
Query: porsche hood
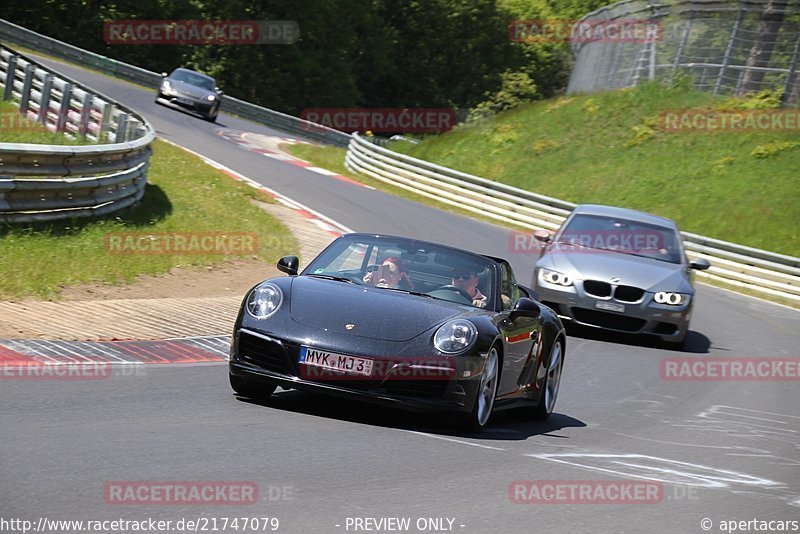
368 312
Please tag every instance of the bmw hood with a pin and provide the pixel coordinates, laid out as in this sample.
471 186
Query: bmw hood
370 312
646 273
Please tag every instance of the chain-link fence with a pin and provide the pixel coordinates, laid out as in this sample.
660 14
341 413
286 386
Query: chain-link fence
724 46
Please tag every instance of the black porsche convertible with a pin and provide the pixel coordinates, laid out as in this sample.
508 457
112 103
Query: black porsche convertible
404 323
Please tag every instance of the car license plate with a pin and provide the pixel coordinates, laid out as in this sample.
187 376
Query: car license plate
611 306
334 361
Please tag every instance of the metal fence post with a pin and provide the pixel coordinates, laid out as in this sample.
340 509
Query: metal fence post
728 49
63 110
44 102
86 114
684 41
27 84
11 74
790 78
122 128
105 120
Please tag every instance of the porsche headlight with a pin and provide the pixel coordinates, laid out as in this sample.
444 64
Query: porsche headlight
555 277
211 98
672 299
166 86
455 336
264 300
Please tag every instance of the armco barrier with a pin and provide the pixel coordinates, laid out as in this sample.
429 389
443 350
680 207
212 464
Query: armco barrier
735 265
49 182
274 119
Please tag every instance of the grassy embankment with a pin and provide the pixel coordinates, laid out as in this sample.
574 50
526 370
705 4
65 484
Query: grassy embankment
183 196
613 149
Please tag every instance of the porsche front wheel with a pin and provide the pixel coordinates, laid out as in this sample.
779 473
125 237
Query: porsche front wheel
552 382
487 391
245 388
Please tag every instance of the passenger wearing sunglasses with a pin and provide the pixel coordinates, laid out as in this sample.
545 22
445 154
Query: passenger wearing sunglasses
468 281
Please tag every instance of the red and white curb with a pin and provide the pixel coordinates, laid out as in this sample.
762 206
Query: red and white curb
240 139
323 221
33 352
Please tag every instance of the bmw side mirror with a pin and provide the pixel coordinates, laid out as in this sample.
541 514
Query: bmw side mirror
288 265
543 235
525 308
700 264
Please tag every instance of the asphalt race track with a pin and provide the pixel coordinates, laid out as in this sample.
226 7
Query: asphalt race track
718 450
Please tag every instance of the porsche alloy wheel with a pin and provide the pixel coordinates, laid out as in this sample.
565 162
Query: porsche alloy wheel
552 381
211 116
487 391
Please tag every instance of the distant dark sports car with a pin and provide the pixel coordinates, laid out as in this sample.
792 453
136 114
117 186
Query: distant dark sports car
191 90
618 269
423 344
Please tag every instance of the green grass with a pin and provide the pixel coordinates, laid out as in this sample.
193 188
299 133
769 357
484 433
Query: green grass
183 195
610 149
16 128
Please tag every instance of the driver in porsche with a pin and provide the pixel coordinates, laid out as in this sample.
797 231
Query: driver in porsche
468 281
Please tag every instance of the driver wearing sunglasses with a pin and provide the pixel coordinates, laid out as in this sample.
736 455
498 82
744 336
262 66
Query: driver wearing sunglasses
468 281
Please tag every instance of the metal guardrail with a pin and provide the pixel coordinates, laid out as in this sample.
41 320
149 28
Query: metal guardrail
50 182
274 119
743 267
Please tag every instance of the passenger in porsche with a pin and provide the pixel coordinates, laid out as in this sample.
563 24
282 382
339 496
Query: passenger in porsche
395 275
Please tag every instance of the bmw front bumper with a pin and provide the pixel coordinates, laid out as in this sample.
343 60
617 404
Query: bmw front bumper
643 316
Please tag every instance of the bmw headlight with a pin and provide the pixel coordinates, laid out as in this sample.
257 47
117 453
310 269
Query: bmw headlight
211 98
455 336
264 300
672 299
555 277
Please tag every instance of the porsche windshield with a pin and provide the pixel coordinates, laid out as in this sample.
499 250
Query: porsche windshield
192 78
409 266
622 236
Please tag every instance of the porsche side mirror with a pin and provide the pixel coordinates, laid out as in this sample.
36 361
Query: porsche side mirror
543 235
164 74
525 308
528 292
288 265
219 91
700 264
